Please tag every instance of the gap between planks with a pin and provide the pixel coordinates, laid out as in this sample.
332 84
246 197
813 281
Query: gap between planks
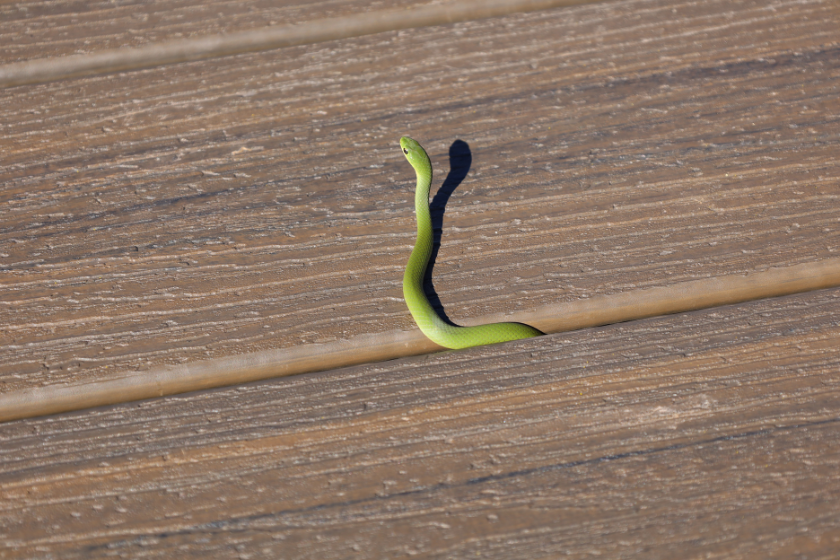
368 348
215 46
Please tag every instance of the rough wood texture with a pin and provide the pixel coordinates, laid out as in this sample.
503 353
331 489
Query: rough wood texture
704 435
206 47
258 202
33 30
681 297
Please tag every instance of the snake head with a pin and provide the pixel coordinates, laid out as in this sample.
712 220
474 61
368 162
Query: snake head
415 154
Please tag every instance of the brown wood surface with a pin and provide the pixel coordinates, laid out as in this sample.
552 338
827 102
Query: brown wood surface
235 205
711 434
258 202
36 30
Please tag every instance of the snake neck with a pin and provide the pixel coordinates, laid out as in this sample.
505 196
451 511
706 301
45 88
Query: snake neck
419 259
423 247
423 170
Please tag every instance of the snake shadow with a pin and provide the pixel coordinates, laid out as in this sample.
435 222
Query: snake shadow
460 161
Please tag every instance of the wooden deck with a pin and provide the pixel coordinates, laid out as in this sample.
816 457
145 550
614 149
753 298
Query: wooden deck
210 209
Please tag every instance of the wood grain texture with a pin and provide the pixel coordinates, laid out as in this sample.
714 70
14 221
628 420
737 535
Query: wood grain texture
36 29
710 434
218 208
233 206
371 348
269 38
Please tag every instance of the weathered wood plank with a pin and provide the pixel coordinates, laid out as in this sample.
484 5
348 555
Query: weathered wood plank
268 38
230 206
682 297
35 30
612 147
707 434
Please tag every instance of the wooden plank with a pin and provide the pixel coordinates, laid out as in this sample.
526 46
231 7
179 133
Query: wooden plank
366 349
266 38
35 30
231 206
707 434
706 149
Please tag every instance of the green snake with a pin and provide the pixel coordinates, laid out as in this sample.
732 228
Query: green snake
435 328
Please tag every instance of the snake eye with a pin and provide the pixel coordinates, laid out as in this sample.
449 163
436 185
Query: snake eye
405 151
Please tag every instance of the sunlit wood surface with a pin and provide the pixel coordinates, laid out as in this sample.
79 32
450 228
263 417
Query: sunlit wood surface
216 208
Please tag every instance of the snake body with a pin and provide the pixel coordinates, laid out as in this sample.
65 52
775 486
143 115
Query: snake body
435 328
